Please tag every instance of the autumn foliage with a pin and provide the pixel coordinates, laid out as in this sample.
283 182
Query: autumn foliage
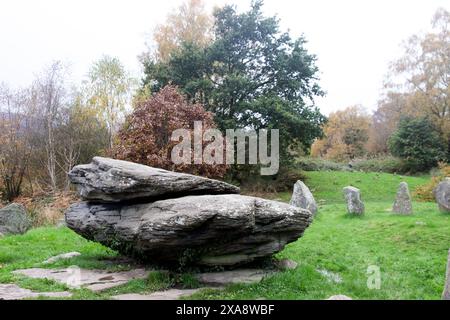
146 135
346 135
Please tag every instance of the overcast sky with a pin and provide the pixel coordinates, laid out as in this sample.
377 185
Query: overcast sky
354 40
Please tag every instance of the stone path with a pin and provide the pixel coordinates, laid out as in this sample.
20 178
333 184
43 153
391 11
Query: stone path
14 292
99 280
95 280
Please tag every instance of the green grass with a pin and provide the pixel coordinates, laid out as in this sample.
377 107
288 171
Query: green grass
411 251
375 187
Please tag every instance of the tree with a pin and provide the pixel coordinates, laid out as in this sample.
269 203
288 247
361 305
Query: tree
426 68
108 90
146 135
385 119
189 24
251 76
346 135
418 143
15 146
83 136
50 97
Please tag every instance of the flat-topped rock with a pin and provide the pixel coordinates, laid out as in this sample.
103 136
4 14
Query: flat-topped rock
210 230
108 180
442 194
403 204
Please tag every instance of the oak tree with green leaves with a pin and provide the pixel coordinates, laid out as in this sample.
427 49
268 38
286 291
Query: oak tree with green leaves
252 75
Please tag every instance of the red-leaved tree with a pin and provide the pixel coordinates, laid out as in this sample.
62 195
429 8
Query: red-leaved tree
146 136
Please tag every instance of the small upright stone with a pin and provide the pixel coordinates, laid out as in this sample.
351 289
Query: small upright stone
442 194
446 294
303 198
402 204
354 204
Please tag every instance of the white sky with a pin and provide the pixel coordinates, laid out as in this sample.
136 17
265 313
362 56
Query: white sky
354 40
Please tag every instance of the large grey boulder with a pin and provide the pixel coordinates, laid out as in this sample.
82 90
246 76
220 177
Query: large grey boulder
442 194
108 180
403 204
354 204
303 198
14 220
446 293
209 230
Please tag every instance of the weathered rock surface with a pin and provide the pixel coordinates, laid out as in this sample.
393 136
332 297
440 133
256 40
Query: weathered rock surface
224 278
286 264
108 180
210 230
95 280
14 292
354 204
303 198
446 293
442 194
403 204
14 220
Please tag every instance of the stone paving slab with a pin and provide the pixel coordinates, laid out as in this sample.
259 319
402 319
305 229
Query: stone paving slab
95 280
14 292
242 276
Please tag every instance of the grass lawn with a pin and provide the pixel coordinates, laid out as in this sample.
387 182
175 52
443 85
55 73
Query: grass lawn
411 252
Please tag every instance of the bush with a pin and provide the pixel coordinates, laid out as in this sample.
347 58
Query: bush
425 193
146 136
319 164
282 182
417 143
386 164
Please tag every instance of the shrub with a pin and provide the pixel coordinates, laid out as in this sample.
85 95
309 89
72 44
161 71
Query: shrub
425 193
320 164
283 181
146 136
386 164
417 143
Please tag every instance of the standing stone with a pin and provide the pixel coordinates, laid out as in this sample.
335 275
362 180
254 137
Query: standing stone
402 204
446 294
442 194
14 220
303 198
354 204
